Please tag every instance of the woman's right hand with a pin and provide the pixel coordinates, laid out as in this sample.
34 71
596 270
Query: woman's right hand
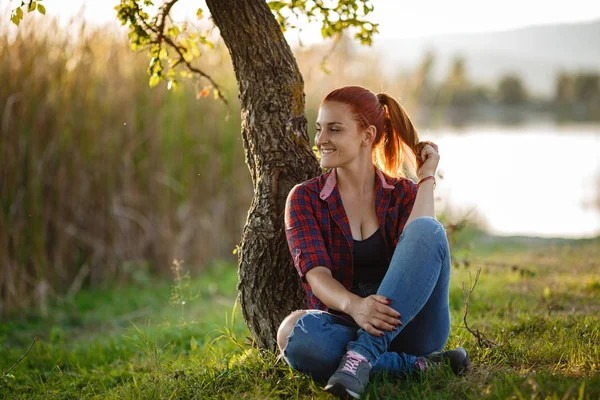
374 314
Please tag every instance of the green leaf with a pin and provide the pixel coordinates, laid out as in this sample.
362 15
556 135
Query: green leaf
15 20
194 49
327 31
199 13
32 6
154 80
276 5
163 54
207 43
19 13
41 9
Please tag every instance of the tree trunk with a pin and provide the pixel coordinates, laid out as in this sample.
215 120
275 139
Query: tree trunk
278 154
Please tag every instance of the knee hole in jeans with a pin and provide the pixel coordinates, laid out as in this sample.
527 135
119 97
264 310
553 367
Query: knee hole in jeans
287 327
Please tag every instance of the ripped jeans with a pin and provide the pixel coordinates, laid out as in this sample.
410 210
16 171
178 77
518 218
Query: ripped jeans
417 283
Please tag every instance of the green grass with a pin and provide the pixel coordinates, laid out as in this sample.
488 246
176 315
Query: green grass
539 301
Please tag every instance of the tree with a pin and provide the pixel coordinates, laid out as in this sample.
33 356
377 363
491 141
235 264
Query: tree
457 84
274 126
511 90
278 153
586 87
422 81
563 88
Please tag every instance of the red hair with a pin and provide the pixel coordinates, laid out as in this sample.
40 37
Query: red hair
396 140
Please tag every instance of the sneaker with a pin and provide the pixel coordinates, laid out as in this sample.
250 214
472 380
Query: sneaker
458 359
351 376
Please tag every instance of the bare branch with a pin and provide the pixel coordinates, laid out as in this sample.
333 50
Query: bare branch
336 41
35 339
458 226
482 340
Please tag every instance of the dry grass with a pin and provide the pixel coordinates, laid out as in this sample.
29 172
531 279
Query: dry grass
101 177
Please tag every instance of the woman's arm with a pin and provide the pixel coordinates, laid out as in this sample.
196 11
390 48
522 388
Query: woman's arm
329 290
370 313
423 205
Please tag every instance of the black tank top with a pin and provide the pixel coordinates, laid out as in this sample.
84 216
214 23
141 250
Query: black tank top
370 259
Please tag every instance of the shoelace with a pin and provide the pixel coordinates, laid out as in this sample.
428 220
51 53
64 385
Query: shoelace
351 365
421 363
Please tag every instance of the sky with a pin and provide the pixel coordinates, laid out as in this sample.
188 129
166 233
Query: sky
397 18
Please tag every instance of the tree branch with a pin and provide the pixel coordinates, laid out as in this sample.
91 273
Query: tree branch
323 64
158 29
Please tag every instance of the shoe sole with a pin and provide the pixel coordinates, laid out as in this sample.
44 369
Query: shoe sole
461 366
466 364
458 366
341 392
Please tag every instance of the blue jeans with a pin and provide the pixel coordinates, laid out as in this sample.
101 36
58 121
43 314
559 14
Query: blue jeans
416 282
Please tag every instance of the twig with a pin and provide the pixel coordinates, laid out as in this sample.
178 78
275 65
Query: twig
482 340
35 339
336 41
458 226
161 37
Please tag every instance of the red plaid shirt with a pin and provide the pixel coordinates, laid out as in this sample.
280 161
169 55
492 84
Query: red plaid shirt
318 231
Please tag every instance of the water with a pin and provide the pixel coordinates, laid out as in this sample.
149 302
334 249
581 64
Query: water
540 180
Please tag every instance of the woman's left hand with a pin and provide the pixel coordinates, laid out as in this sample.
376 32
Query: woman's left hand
428 159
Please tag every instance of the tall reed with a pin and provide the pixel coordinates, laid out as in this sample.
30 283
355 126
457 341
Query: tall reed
101 176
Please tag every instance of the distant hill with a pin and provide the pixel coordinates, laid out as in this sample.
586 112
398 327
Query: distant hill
537 53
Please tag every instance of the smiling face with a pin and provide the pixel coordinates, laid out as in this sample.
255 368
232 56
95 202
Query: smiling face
339 138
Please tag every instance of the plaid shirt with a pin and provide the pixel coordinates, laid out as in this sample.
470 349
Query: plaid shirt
318 231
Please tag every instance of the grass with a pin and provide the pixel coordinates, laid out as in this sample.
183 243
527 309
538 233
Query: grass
157 340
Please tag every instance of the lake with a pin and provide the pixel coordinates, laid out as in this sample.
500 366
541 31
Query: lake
528 180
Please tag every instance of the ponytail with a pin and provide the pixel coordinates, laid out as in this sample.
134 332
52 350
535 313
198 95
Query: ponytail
396 151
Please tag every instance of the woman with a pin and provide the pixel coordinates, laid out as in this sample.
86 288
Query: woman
373 259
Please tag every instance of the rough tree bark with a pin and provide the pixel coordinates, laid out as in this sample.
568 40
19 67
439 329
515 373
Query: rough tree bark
278 154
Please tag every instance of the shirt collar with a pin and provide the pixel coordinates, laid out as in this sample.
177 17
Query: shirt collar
332 181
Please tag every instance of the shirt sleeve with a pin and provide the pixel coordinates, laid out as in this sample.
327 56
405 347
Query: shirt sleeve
409 191
303 233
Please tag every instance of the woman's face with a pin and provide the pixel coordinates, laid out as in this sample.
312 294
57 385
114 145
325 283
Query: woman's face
338 137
